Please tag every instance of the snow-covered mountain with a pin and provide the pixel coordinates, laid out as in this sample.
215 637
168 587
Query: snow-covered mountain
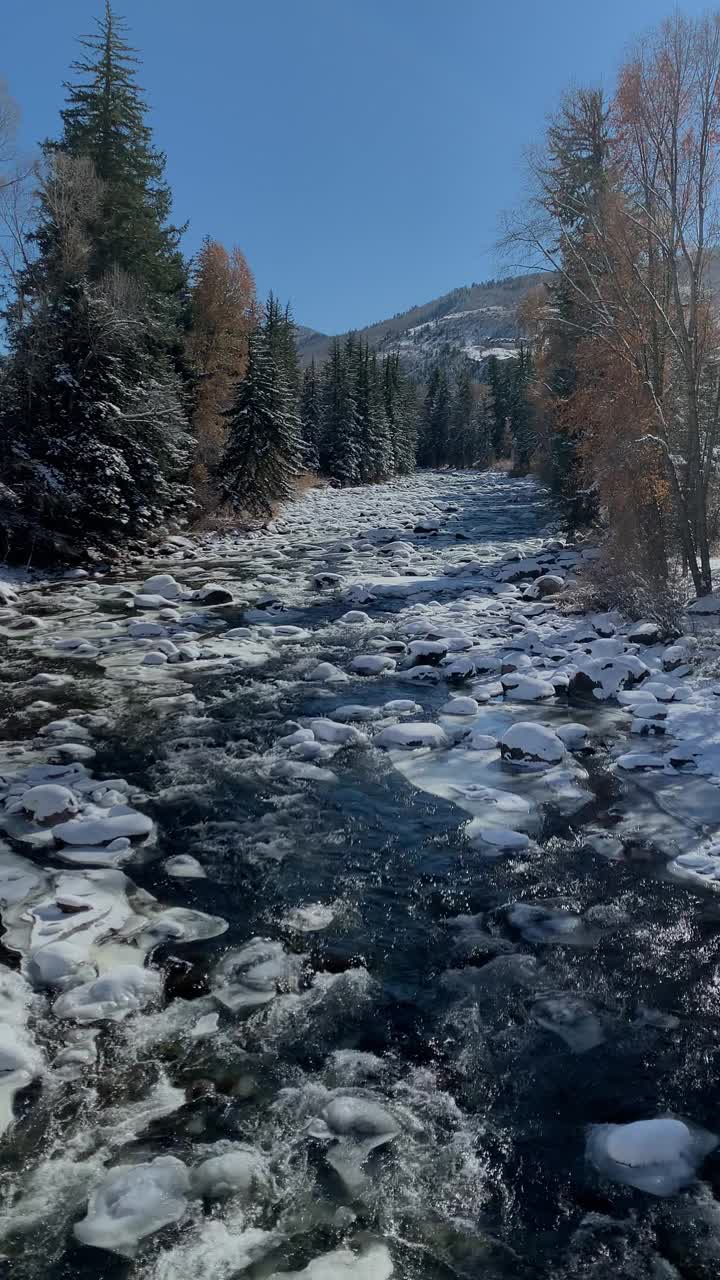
469 323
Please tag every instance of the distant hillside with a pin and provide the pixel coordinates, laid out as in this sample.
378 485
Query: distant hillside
469 323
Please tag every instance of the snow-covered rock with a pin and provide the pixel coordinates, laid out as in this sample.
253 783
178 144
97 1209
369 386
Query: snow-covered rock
461 707
372 664
162 584
412 735
530 743
49 800
213 593
644 633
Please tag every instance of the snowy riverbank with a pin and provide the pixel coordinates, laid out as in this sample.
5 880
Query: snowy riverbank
206 773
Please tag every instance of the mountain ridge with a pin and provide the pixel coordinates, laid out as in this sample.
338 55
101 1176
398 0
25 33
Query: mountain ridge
468 323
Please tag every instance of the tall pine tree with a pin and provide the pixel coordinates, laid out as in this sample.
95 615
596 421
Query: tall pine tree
341 444
263 453
435 420
104 121
311 417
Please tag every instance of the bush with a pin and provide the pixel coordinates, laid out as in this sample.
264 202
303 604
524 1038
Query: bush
618 581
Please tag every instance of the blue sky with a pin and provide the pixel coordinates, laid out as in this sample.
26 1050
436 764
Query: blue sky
359 151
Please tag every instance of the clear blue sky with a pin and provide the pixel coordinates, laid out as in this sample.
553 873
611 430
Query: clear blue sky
359 151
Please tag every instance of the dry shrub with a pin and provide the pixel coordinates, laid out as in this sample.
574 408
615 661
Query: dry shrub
214 516
619 580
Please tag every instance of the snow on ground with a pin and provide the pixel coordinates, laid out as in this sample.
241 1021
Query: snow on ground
510 700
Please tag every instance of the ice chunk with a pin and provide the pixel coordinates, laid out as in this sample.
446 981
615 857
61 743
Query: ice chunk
132 1202
236 1172
373 1263
659 1156
254 974
500 837
310 918
539 923
88 830
111 997
358 1125
570 1019
184 865
59 963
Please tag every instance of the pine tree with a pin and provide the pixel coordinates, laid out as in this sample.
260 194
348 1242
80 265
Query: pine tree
575 179
311 418
435 421
93 425
104 121
461 445
263 454
497 381
372 424
483 423
280 333
341 448
402 414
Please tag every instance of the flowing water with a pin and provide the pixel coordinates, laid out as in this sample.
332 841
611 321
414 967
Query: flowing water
490 1040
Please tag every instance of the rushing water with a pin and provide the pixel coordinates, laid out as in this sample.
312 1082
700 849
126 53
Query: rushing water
415 987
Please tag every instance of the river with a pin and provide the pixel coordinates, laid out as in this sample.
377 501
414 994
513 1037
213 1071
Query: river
271 899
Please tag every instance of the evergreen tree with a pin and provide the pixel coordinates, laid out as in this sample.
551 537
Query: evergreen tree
402 414
575 179
263 454
280 334
483 424
518 378
461 443
93 424
104 121
435 421
372 423
498 383
341 448
311 418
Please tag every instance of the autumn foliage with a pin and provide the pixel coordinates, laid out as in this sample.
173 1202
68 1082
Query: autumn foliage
224 314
